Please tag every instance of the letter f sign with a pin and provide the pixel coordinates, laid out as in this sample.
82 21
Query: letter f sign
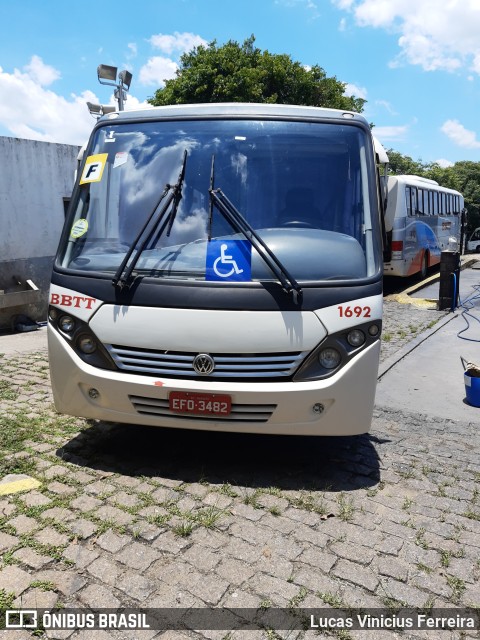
93 169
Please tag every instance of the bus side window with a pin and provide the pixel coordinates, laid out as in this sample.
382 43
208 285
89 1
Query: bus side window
413 201
420 208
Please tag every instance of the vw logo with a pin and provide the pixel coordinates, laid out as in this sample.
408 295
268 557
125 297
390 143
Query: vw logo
203 364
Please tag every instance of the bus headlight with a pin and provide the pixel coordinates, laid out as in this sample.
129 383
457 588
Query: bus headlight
80 338
66 324
337 349
355 338
87 344
329 358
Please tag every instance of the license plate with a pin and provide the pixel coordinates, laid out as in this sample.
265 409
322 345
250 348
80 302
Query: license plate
200 404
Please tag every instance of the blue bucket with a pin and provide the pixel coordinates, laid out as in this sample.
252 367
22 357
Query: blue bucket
472 389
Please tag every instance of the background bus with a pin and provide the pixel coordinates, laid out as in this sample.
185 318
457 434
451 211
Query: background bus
422 220
221 268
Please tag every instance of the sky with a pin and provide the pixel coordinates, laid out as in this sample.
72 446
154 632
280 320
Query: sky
416 62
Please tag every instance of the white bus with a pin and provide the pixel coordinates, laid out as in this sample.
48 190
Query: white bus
422 220
473 243
221 268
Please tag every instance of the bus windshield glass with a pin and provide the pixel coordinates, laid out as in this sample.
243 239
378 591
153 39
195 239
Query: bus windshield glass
303 187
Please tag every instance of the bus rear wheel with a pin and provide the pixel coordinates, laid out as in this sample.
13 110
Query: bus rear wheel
425 265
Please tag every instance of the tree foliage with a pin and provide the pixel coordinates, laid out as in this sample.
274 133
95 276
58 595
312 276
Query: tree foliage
237 72
463 176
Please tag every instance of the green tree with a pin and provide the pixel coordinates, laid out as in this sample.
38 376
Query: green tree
237 72
399 164
468 180
445 176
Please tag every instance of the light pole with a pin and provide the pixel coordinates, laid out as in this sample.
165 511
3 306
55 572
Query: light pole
108 75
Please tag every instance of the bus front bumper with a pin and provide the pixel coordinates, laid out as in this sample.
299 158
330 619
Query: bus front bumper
339 405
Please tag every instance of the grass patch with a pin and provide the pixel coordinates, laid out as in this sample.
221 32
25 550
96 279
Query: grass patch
297 600
183 529
43 585
6 602
251 498
17 466
420 539
445 558
208 517
6 599
309 502
332 599
159 520
457 586
16 428
406 474
393 605
227 490
423 567
7 392
346 506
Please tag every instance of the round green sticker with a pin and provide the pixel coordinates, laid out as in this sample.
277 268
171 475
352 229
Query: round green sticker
79 228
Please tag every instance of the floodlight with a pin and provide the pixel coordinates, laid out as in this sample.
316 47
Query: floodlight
99 110
95 109
107 74
125 78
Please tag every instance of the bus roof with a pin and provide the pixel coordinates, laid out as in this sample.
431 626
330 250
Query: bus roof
419 181
233 109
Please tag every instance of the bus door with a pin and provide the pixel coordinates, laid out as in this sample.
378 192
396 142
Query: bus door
411 237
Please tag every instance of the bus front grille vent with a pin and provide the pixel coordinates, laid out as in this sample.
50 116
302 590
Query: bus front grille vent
227 366
239 412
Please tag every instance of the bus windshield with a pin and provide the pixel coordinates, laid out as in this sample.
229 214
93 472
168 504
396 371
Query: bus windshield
303 188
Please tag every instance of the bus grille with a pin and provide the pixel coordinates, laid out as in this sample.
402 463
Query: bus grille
180 364
239 412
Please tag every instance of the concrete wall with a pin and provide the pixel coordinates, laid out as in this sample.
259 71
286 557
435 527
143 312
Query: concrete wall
35 177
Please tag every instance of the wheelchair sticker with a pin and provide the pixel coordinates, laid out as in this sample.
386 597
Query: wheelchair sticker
229 260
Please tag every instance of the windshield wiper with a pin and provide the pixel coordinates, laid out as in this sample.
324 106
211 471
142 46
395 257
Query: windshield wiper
158 219
238 222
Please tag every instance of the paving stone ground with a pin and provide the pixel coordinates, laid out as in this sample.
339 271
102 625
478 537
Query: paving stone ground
134 517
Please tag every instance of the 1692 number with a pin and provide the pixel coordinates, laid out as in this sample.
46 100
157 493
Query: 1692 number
357 311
